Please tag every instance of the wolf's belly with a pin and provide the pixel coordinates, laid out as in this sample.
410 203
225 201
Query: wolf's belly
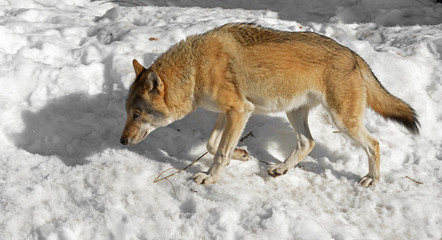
280 104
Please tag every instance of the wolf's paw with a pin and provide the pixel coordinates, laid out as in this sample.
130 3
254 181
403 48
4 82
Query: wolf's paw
368 181
203 178
241 154
277 171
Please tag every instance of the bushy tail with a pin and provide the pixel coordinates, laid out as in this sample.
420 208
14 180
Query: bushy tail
385 104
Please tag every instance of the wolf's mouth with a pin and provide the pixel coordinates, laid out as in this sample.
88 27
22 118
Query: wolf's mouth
144 135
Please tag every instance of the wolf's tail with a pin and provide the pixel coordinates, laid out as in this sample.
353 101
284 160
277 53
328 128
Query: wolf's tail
385 104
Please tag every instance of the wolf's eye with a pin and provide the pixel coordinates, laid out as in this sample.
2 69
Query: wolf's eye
135 115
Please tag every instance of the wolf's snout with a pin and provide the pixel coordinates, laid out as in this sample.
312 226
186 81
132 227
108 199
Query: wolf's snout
124 141
132 135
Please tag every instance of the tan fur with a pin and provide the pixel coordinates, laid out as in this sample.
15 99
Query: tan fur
240 69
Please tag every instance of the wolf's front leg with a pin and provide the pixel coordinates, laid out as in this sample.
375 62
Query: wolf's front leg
219 162
215 138
235 122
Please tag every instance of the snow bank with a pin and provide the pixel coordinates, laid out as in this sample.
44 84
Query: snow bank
65 68
391 13
381 12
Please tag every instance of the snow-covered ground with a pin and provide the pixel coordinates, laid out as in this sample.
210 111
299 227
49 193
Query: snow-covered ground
65 69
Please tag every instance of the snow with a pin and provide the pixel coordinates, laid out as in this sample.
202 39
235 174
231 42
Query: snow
65 70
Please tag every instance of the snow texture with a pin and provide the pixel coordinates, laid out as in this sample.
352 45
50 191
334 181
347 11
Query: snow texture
65 70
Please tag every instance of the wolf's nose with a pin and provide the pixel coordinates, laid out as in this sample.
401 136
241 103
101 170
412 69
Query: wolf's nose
124 141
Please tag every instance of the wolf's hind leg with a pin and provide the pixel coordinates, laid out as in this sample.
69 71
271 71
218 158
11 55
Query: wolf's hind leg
360 134
304 141
215 138
351 122
371 147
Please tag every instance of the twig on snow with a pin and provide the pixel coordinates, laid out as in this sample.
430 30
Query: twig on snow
127 2
246 136
157 179
266 163
414 180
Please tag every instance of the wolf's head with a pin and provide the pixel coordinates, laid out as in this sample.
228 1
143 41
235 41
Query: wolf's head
145 106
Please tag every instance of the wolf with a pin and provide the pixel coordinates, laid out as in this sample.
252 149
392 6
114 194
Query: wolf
239 69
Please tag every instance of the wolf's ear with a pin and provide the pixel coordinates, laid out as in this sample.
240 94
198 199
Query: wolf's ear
154 83
137 67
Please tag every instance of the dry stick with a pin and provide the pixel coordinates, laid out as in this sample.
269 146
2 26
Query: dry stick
179 170
246 136
171 184
136 4
157 179
414 180
267 163
250 134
